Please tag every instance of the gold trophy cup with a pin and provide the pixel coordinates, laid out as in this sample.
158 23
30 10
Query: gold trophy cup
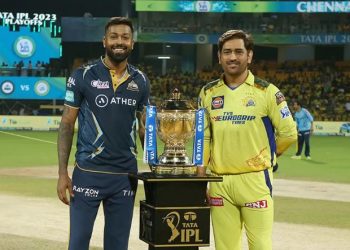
175 127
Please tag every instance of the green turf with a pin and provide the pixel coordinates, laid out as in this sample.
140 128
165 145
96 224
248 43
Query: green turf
28 148
330 161
312 212
330 156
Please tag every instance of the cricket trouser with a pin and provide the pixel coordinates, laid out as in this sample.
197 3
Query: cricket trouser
117 193
304 136
242 200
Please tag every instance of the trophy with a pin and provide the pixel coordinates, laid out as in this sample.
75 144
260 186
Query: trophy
175 122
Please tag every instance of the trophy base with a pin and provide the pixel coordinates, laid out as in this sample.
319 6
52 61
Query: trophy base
174 170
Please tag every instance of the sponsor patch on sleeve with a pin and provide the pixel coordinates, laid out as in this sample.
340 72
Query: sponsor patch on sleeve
216 201
69 96
279 97
285 112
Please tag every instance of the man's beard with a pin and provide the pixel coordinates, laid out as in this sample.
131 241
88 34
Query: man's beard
117 58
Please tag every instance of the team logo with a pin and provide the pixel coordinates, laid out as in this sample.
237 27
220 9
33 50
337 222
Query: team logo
201 38
132 86
279 97
7 87
217 102
101 101
24 46
248 102
42 88
202 6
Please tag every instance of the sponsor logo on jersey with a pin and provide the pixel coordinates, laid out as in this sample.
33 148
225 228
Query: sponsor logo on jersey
87 192
132 86
285 112
102 101
279 97
217 102
70 82
216 201
69 96
257 204
100 84
235 119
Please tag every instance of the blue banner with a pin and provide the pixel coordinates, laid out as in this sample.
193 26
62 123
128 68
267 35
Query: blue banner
150 155
199 138
34 88
336 38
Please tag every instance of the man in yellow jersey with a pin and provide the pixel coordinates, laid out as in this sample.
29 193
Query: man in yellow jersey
249 125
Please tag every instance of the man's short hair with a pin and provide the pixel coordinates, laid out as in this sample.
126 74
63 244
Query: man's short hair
236 34
119 20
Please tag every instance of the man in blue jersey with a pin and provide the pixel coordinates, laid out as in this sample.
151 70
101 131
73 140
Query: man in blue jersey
305 126
108 97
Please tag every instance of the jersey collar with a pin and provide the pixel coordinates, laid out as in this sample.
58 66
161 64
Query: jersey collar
249 80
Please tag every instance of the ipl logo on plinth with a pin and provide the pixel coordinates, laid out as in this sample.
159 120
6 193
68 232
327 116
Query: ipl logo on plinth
188 229
24 46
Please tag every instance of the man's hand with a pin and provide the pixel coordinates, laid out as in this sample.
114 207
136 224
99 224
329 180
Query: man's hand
64 183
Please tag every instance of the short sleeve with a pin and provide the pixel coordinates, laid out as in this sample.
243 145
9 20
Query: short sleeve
74 85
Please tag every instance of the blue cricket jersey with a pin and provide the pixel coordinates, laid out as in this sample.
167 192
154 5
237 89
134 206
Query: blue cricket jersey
303 119
107 119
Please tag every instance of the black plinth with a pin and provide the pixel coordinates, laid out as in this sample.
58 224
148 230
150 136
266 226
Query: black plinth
175 214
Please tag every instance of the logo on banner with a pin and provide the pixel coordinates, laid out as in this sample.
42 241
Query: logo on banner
42 88
203 6
7 87
24 46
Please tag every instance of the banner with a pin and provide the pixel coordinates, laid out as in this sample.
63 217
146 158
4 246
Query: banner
43 88
332 128
339 38
245 6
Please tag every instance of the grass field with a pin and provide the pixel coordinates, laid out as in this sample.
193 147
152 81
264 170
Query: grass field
330 163
330 156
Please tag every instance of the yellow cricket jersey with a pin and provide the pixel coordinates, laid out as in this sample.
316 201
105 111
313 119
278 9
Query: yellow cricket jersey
246 127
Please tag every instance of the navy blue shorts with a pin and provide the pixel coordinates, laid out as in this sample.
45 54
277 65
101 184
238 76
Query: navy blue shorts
117 193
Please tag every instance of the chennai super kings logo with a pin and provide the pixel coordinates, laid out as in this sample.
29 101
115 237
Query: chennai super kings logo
24 46
188 229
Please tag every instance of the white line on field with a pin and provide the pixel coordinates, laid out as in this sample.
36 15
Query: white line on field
27 137
36 139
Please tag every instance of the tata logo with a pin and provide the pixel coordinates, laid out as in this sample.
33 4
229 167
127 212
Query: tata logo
24 46
100 84
101 101
217 102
